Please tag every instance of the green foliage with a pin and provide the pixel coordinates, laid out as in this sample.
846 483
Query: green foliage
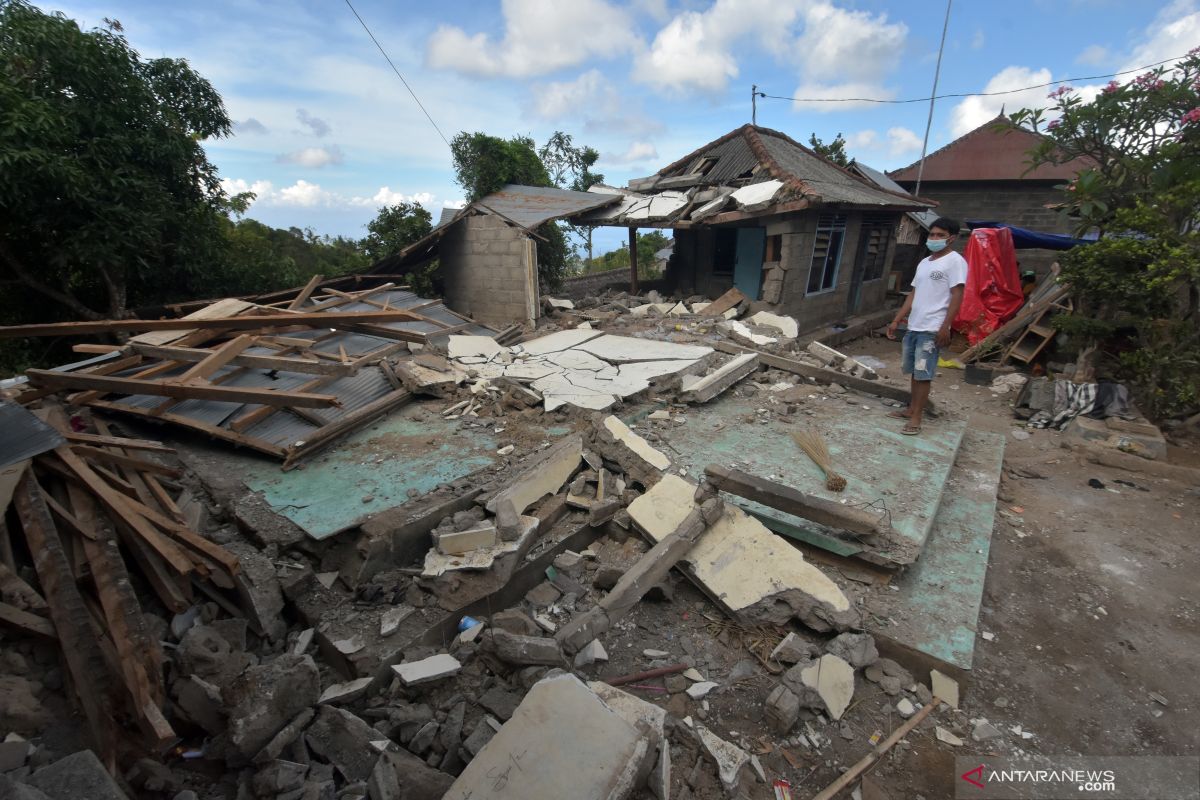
395 228
483 164
1139 286
647 245
105 191
835 151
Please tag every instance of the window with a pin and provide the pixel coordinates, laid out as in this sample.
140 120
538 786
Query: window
875 237
725 251
772 252
827 253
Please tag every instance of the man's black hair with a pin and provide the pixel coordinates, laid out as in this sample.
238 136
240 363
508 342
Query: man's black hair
950 226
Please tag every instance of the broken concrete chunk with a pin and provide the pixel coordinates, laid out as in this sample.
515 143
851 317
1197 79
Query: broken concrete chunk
427 670
703 389
697 691
984 730
636 446
856 648
946 736
945 688
524 650
787 326
79 776
793 650
545 475
390 622
906 707
602 762
422 380
591 653
729 758
782 710
459 542
288 734
516 621
346 692
258 588
833 681
554 302
263 699
403 776
500 702
344 740
741 333
467 346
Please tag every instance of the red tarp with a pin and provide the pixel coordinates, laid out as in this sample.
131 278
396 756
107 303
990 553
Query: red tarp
993 291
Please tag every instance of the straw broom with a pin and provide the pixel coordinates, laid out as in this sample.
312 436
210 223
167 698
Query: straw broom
814 445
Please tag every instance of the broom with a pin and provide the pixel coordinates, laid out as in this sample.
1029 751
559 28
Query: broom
814 445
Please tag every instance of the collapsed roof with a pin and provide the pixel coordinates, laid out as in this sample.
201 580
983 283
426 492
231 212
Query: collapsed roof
749 171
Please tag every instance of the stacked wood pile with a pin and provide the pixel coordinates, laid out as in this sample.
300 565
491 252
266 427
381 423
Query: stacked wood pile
235 351
80 511
1028 323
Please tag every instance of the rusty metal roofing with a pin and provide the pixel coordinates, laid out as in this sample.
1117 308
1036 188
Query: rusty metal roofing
22 435
531 206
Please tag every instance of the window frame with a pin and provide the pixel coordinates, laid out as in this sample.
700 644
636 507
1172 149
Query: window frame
829 224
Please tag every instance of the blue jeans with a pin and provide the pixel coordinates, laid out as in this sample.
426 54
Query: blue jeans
920 358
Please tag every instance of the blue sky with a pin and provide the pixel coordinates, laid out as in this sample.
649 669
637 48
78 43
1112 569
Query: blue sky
326 133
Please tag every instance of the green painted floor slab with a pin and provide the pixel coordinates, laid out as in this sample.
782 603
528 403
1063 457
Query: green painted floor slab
883 469
411 449
936 609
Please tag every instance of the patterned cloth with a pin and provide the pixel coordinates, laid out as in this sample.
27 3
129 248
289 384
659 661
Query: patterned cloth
1070 400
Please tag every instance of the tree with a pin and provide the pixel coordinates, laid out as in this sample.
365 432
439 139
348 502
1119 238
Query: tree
570 167
106 195
1140 188
835 151
395 228
647 245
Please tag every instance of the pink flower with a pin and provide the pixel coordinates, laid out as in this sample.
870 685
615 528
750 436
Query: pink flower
1059 92
1053 124
1191 116
1112 87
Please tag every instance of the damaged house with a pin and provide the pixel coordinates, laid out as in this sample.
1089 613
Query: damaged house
760 212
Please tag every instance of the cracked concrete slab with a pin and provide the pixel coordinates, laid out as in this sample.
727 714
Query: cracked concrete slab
628 349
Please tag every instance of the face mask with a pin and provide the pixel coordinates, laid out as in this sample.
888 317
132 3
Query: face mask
936 245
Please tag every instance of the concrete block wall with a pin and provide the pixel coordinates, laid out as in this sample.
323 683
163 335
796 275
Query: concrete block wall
581 286
489 269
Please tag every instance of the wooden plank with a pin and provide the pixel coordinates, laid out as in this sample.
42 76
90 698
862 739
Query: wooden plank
1014 325
227 307
164 499
349 422
96 349
123 509
303 295
103 440
257 415
79 647
83 398
633 261
107 368
129 462
67 517
793 501
131 386
826 376
332 319
730 299
14 619
232 437
276 363
216 358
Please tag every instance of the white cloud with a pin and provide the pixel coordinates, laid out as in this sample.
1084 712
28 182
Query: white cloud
902 140
863 140
234 186
978 40
839 91
591 94
459 203
302 193
540 36
637 151
314 157
386 197
1173 32
975 111
849 46
1096 55
249 125
316 125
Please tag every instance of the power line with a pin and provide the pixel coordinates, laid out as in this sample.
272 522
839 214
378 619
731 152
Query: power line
398 75
968 94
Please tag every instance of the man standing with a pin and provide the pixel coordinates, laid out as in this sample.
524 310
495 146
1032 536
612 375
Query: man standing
930 307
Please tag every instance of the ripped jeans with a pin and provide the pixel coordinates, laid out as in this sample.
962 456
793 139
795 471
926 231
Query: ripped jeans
920 359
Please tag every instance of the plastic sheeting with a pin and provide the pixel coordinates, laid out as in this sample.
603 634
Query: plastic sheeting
993 291
1024 239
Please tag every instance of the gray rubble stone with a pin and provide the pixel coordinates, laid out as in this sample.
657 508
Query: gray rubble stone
857 649
264 699
524 650
79 776
500 702
782 710
344 740
403 776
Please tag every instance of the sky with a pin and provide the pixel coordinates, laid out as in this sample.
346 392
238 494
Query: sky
325 132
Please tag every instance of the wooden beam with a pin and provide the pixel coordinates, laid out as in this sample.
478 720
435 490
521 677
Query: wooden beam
277 363
129 462
118 441
95 349
304 293
130 386
633 261
216 358
13 618
793 501
257 415
233 437
80 649
332 319
730 299
348 422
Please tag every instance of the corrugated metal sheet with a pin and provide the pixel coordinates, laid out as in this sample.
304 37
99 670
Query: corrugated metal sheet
831 184
922 218
531 206
22 435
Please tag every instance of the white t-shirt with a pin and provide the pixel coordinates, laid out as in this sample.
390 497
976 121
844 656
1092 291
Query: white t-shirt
931 290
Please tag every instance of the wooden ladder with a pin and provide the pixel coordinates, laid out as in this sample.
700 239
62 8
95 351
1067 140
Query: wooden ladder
1035 337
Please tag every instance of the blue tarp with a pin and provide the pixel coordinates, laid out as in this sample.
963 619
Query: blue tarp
1025 239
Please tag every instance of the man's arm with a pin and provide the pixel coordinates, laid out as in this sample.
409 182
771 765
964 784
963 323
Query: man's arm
956 298
902 313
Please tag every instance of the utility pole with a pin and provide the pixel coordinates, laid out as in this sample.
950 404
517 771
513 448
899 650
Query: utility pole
937 71
754 104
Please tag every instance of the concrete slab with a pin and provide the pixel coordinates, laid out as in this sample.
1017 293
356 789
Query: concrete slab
427 670
648 370
558 390
406 451
543 475
555 342
729 758
79 776
531 370
457 543
744 567
628 349
346 692
833 680
705 388
756 194
742 334
787 326
437 563
462 346
944 687
635 444
936 610
562 741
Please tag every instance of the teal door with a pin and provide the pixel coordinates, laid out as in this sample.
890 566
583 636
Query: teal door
747 269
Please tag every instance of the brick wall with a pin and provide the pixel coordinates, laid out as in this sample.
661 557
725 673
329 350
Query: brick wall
489 270
1019 203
